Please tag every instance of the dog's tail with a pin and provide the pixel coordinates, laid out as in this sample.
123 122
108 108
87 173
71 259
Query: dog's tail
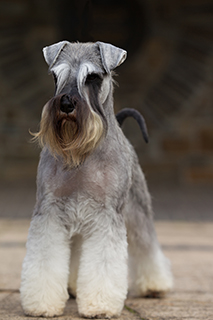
129 112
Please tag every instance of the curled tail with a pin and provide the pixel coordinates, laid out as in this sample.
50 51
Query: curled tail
129 112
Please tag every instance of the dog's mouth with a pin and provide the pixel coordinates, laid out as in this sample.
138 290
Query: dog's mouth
67 104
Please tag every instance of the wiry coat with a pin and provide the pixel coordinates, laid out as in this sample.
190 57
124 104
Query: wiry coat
90 202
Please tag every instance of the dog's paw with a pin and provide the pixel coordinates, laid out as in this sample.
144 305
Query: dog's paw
41 305
154 277
152 285
155 285
42 312
99 312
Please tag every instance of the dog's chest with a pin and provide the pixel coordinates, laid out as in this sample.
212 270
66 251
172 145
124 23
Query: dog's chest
94 181
102 181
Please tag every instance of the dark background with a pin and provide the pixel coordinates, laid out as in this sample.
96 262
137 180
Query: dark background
168 77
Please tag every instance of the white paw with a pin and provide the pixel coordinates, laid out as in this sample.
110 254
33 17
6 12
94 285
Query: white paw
154 278
101 310
155 285
38 303
98 314
42 311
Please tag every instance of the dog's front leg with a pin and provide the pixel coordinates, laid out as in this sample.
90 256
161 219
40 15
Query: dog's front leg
102 277
46 266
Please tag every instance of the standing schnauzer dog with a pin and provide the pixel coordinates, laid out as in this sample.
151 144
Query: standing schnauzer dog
93 208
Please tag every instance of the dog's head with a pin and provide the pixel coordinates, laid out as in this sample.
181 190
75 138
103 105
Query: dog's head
75 120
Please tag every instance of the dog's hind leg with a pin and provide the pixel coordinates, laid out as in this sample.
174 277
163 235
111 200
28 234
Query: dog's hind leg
149 269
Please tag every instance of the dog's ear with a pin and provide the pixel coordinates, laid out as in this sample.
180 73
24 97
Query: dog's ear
111 56
51 53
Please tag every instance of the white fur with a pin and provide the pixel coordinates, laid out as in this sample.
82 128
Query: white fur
46 267
99 276
62 72
102 276
98 269
149 272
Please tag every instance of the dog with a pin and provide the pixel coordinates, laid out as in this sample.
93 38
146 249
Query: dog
92 226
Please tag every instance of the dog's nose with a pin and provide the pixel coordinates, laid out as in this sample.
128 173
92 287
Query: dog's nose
67 105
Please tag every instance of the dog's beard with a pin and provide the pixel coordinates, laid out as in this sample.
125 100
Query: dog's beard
73 136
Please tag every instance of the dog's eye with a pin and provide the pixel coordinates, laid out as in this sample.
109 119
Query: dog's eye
92 77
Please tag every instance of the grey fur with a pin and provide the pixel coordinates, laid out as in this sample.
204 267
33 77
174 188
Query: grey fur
99 201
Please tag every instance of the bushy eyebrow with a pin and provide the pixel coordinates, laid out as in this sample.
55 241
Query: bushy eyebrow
62 72
86 69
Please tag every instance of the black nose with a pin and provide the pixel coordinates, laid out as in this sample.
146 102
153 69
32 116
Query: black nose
67 105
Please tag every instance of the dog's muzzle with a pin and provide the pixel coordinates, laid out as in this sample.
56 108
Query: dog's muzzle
67 104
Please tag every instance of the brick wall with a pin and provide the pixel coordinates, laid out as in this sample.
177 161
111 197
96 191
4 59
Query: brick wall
167 76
